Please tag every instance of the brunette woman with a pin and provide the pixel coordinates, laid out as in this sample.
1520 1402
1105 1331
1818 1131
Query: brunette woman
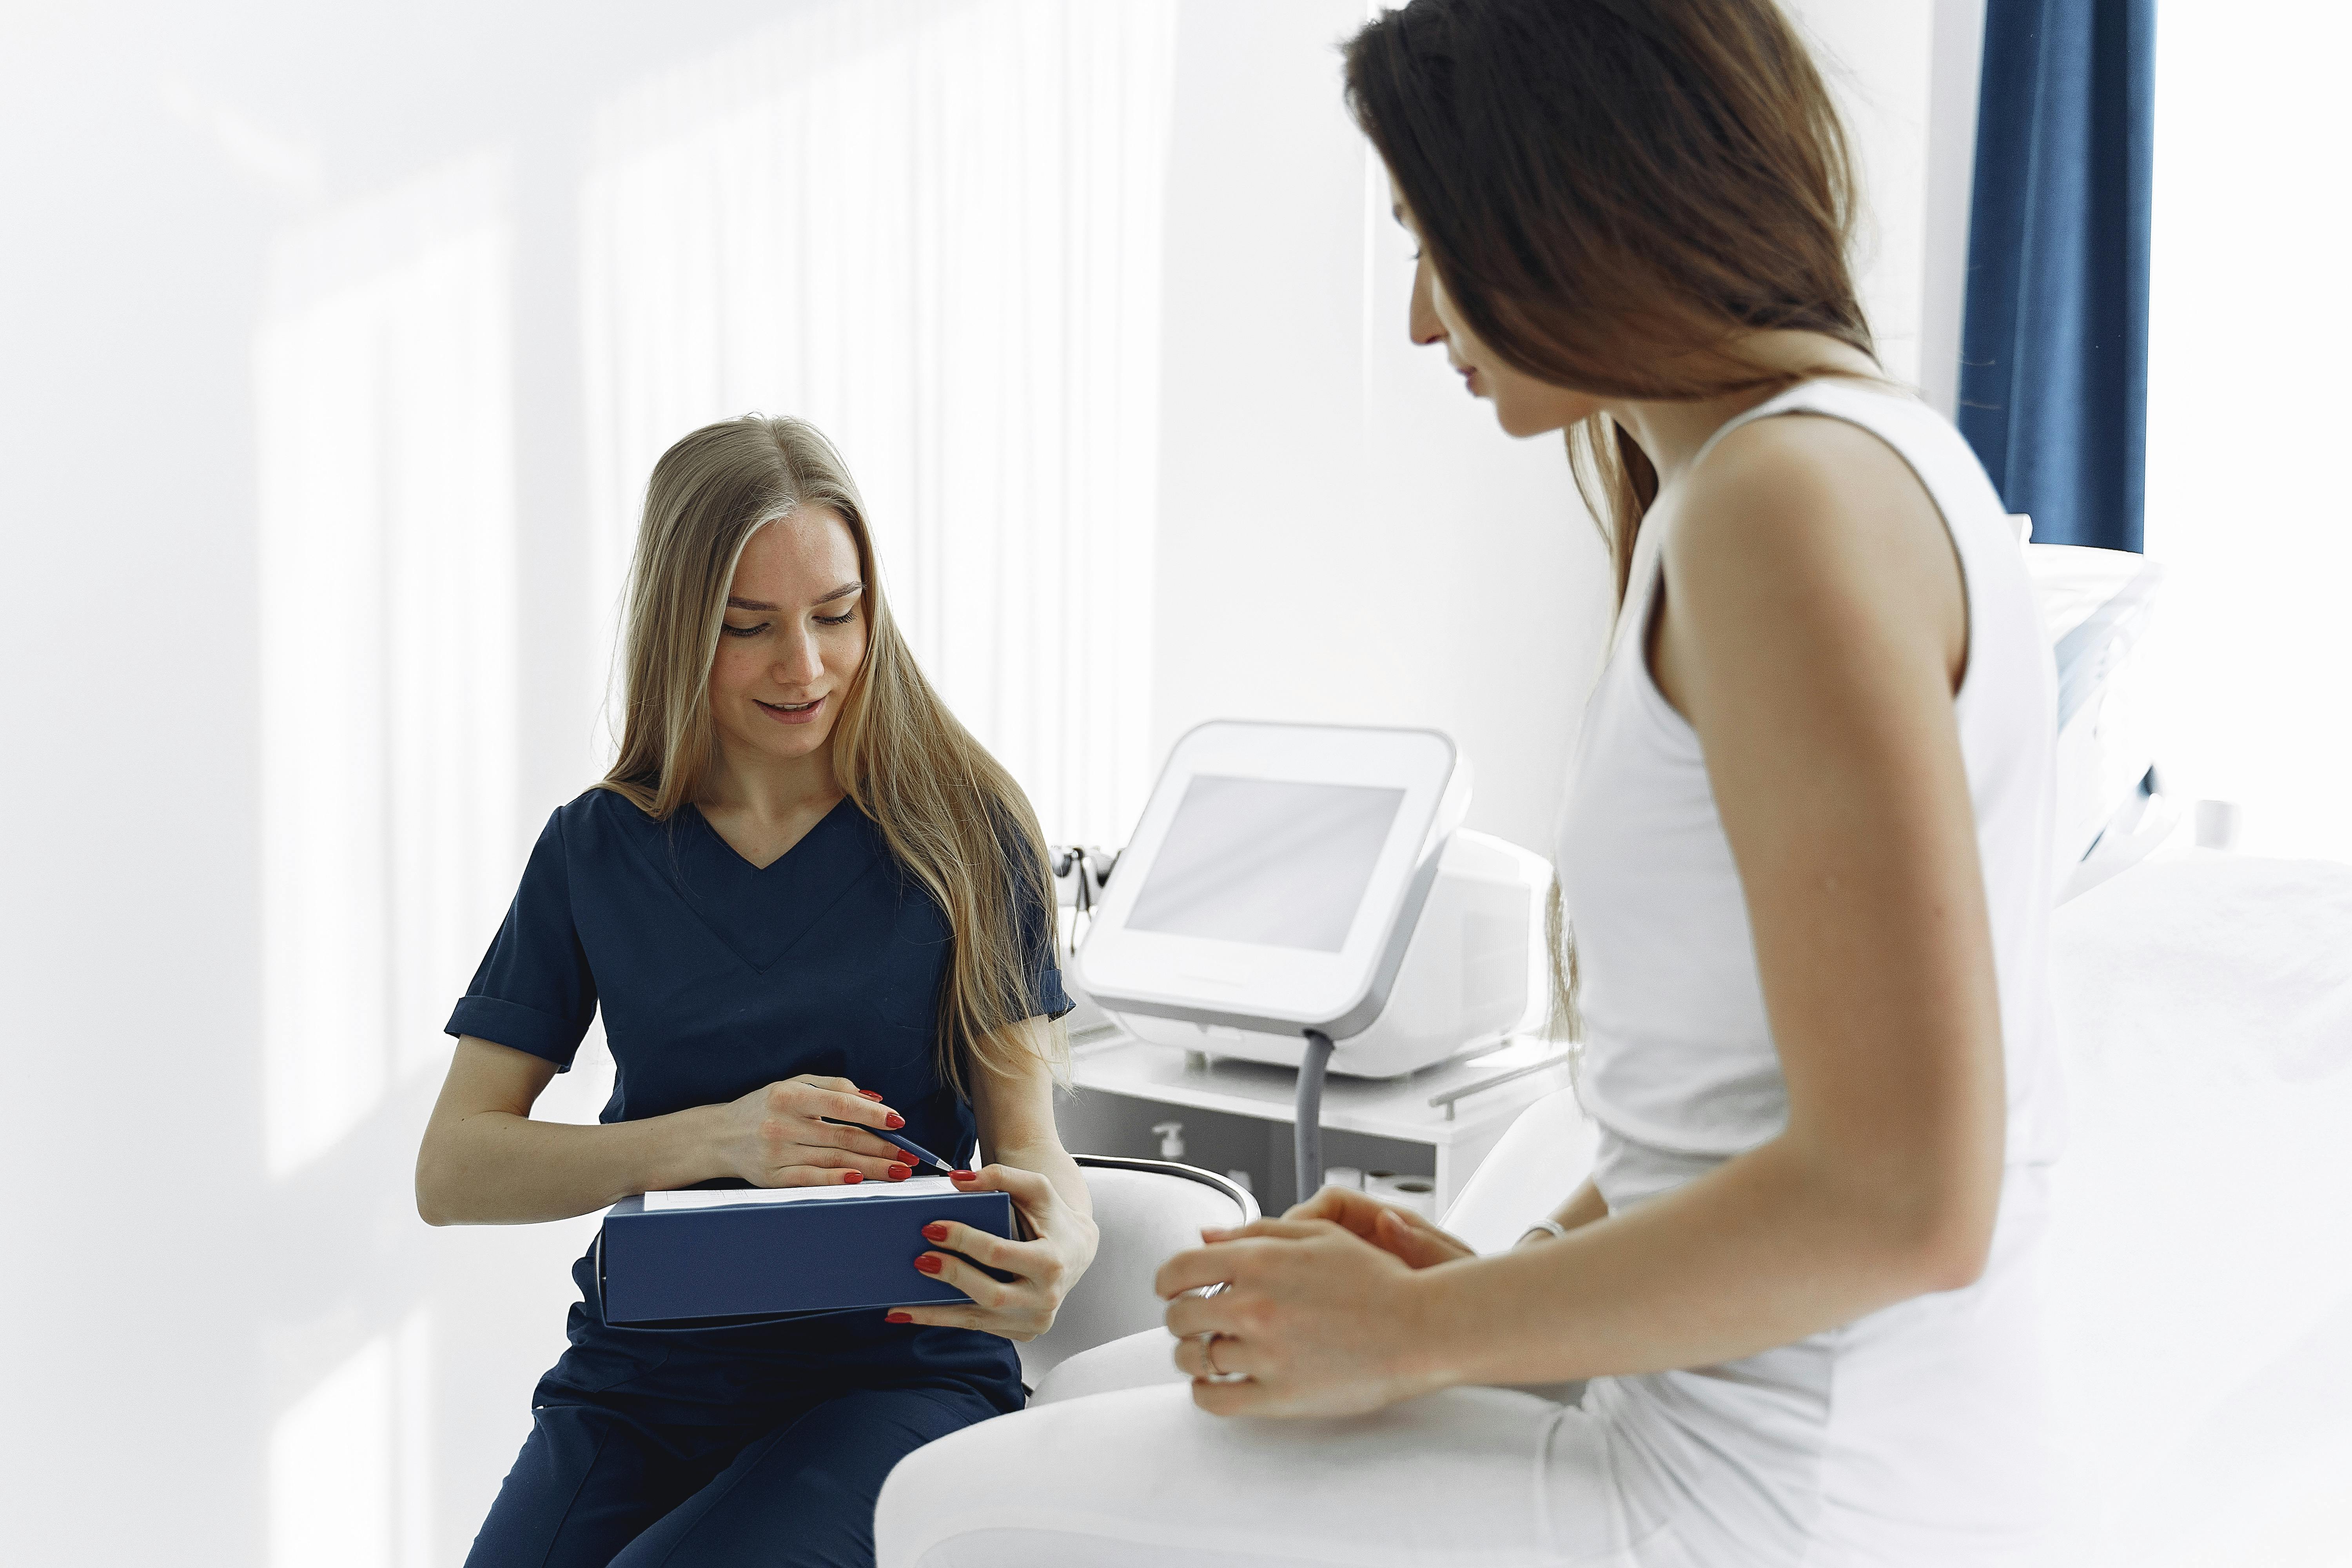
803 897
1805 857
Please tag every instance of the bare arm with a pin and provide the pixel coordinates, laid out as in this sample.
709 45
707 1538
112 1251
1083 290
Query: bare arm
485 1162
1015 1114
1815 633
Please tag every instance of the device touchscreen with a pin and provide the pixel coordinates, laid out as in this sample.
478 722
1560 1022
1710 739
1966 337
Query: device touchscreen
1269 862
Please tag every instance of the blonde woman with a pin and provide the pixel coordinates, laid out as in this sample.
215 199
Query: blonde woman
805 896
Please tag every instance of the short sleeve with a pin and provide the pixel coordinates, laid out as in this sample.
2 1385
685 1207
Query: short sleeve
533 992
1043 962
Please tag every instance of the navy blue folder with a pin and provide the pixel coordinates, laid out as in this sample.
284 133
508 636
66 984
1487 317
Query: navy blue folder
756 1261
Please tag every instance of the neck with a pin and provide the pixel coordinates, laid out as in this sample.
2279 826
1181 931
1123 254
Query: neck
1673 433
770 789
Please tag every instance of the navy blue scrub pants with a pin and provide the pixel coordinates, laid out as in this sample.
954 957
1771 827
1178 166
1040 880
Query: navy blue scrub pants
596 1485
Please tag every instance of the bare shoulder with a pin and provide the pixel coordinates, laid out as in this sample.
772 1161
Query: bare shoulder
1807 481
1814 517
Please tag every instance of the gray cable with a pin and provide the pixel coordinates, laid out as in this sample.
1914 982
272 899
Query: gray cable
1306 1114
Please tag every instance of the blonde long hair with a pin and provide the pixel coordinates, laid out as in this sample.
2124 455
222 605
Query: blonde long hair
952 817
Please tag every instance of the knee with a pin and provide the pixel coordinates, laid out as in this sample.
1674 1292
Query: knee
938 1484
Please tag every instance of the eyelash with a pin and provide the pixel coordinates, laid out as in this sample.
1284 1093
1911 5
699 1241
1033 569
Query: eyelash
842 619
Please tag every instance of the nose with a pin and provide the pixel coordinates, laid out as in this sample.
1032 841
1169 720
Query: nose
1421 324
798 662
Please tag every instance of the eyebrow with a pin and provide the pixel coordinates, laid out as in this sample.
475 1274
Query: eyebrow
844 591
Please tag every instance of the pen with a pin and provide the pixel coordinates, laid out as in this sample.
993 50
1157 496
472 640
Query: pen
908 1144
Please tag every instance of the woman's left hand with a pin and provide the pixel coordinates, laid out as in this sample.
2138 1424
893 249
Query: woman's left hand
1044 1268
1313 1321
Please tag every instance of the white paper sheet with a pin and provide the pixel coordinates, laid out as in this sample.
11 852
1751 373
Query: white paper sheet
707 1198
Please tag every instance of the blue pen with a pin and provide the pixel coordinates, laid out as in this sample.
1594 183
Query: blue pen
923 1154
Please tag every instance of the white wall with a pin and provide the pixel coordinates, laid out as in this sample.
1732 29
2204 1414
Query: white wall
2248 654
1344 536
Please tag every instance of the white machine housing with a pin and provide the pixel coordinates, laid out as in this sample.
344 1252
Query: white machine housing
1472 974
1442 951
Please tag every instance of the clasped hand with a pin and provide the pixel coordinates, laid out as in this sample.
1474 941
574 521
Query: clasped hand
1325 1311
1043 1268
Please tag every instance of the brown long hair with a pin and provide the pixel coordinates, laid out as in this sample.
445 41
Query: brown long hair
1615 194
953 818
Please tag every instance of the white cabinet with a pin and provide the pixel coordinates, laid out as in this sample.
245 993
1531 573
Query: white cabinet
1438 1122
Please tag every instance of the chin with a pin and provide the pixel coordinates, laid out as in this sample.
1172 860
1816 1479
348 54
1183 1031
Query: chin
1521 425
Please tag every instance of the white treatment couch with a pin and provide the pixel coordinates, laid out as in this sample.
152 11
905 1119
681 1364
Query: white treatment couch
2199 1279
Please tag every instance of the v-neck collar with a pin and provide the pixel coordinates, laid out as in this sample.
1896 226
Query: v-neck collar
719 840
760 913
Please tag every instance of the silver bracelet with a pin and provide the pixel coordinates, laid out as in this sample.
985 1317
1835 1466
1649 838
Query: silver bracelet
1552 1226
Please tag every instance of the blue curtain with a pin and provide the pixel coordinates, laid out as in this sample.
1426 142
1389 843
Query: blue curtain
2053 357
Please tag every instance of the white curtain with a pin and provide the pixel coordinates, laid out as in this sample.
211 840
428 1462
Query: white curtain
932 228
383 405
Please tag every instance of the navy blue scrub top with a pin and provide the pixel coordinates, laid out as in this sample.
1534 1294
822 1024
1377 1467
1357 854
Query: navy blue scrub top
717 977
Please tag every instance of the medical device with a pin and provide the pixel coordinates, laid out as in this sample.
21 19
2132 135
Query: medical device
1305 895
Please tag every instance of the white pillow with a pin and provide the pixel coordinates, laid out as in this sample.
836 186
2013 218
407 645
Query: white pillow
2095 606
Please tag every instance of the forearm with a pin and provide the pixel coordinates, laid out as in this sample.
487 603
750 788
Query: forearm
1758 1253
496 1167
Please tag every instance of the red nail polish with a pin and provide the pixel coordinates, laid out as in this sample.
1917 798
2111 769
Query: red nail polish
894 1122
961 1176
900 1173
867 1094
898 1317
852 1179
935 1231
929 1264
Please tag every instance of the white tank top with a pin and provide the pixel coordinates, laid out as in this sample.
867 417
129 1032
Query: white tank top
1678 1055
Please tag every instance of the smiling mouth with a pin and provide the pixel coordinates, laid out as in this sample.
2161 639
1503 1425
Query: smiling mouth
789 711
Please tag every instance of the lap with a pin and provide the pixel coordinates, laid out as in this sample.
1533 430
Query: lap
1143 1477
596 1485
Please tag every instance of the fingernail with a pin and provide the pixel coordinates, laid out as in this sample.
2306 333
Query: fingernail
867 1094
935 1231
894 1122
898 1317
929 1264
961 1176
900 1173
851 1178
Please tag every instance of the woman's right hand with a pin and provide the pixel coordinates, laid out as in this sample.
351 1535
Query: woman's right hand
779 1137
1397 1231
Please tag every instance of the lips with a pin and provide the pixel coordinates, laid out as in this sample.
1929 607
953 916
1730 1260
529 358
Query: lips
790 712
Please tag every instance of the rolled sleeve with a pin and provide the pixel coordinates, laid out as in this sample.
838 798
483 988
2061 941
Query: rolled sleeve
1044 966
533 991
